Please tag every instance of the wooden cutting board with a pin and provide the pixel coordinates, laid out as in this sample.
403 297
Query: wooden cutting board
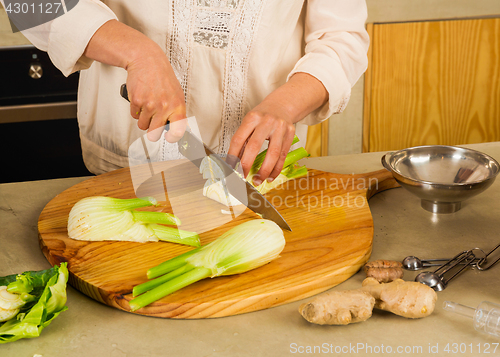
331 239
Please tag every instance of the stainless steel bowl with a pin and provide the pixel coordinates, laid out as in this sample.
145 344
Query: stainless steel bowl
442 176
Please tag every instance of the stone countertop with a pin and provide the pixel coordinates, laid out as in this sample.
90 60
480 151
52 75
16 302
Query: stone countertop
401 228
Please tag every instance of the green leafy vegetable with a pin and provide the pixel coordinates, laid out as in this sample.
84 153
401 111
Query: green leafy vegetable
26 282
48 293
242 248
100 218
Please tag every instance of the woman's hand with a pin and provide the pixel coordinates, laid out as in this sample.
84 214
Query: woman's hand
274 120
155 95
154 92
267 121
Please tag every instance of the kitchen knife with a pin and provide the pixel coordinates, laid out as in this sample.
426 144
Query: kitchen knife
190 146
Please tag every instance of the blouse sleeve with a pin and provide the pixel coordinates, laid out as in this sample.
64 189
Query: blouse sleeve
335 51
66 37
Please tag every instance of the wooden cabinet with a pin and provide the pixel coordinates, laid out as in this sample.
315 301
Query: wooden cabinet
317 139
432 82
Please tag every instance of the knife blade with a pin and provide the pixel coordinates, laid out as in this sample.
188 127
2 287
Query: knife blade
235 185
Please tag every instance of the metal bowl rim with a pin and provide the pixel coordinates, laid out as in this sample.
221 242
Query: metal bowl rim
457 184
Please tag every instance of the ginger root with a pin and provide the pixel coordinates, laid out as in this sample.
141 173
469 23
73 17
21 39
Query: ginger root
403 298
384 271
339 307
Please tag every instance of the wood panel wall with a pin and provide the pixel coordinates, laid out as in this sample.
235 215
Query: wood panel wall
432 82
317 139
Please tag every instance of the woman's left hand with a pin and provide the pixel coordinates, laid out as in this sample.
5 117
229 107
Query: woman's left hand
274 120
270 122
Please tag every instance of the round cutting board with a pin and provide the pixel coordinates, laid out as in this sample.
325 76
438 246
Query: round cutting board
331 238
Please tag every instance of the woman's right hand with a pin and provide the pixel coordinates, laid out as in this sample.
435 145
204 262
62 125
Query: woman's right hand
155 94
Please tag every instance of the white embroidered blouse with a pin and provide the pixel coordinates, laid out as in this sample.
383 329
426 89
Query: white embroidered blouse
227 54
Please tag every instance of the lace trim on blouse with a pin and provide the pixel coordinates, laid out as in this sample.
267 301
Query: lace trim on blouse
236 72
228 25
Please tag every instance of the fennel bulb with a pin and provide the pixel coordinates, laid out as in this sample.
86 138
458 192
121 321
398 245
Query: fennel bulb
242 248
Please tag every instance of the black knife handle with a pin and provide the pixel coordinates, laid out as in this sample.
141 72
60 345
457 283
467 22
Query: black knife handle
124 92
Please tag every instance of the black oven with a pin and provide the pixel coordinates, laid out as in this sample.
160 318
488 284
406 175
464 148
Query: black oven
39 136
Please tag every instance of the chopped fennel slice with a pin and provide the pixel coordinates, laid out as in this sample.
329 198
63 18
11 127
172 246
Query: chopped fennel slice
213 187
100 218
210 169
215 191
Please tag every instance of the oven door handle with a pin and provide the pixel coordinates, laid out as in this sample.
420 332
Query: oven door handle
37 112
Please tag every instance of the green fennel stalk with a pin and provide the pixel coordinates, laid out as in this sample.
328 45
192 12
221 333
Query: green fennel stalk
290 170
259 159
